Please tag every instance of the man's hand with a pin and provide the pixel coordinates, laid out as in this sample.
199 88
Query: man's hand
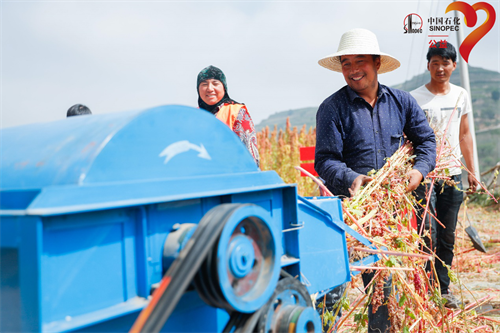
358 182
415 178
473 183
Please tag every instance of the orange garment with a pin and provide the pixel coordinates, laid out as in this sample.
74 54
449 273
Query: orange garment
237 118
228 113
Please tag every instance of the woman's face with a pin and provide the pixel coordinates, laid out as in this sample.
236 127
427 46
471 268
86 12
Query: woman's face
211 91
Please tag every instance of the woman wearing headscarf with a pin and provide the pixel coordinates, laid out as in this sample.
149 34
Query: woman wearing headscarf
213 97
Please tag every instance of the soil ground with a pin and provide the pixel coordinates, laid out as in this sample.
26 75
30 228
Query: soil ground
479 272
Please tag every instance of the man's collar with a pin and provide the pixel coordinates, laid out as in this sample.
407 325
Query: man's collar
353 95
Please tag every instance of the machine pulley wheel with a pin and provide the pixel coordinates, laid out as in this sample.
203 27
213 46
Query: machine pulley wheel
289 310
241 271
183 269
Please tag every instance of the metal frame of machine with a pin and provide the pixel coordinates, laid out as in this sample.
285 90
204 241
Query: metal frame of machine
95 210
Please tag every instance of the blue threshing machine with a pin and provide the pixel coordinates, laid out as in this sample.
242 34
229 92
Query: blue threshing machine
95 210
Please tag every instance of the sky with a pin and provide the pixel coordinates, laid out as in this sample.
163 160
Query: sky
129 55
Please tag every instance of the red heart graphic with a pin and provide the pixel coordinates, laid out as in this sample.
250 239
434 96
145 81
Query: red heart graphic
471 20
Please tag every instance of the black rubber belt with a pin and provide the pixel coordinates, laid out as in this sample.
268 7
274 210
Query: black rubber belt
183 269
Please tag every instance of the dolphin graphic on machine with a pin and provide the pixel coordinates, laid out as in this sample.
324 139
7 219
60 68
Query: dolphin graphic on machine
182 147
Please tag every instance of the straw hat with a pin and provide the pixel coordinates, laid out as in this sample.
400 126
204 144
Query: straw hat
359 41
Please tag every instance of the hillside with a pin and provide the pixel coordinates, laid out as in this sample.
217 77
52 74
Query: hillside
298 117
485 86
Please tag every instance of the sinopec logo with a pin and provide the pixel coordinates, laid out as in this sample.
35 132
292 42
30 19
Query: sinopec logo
412 24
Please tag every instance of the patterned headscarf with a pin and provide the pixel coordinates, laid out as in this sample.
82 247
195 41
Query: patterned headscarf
212 72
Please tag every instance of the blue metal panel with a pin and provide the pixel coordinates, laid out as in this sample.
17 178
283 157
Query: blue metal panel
193 315
55 153
324 262
30 246
118 313
17 199
88 263
69 199
190 315
142 253
9 231
261 198
10 298
331 205
115 325
149 140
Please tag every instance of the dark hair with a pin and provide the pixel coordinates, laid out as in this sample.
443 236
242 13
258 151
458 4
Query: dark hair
78 110
445 50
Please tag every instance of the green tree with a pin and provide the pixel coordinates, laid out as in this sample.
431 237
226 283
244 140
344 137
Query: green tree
495 95
488 113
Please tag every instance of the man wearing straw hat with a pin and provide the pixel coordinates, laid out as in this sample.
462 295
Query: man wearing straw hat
363 123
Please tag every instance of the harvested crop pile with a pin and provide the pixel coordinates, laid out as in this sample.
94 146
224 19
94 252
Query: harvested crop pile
381 212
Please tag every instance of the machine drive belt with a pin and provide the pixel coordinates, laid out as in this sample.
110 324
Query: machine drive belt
181 272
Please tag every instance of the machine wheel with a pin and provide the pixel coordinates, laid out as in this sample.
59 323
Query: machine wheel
289 310
182 271
241 272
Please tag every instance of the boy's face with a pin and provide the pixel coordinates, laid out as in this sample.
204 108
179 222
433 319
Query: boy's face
441 68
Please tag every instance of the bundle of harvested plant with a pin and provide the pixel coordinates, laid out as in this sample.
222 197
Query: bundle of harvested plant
381 211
